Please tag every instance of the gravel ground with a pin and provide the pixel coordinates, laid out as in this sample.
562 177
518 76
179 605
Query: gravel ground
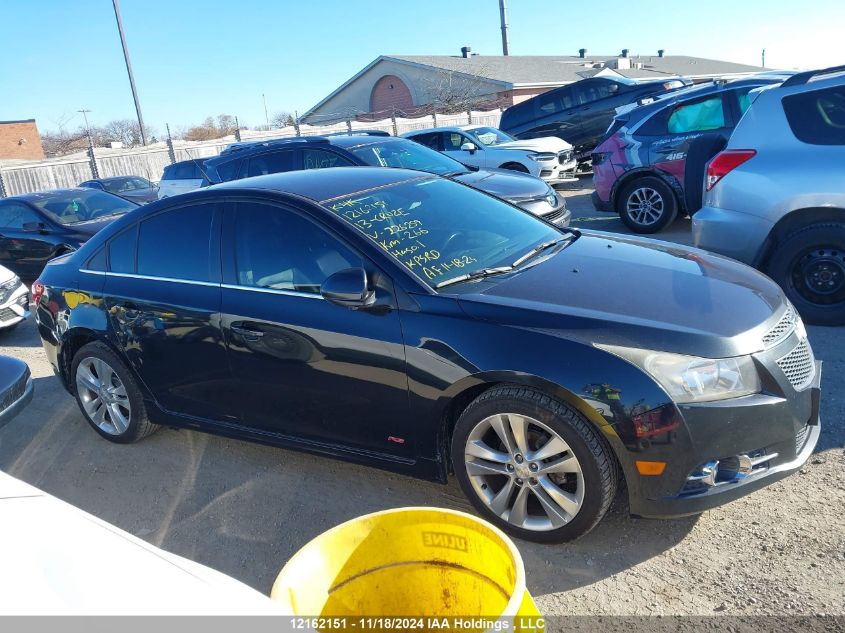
244 509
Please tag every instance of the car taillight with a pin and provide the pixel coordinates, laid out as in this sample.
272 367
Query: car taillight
726 162
37 291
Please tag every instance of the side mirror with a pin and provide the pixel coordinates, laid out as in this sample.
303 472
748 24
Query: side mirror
34 227
348 288
469 147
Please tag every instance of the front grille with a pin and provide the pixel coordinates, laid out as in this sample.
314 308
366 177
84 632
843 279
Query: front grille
781 329
554 215
7 313
798 365
564 157
15 392
801 439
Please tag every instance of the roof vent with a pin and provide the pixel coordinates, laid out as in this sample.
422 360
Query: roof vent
582 52
660 53
466 51
624 52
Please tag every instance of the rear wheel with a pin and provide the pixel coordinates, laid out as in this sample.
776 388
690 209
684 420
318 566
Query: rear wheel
108 396
647 205
810 267
532 465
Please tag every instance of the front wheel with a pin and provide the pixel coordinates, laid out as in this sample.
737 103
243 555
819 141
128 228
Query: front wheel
108 396
533 465
647 205
810 267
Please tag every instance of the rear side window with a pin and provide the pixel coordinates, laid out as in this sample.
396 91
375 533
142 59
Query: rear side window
227 170
122 252
708 114
181 171
271 163
429 140
817 117
175 244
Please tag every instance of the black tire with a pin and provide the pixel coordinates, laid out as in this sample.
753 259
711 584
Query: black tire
599 470
700 151
665 205
810 267
139 425
515 167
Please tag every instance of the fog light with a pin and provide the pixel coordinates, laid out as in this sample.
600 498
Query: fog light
705 474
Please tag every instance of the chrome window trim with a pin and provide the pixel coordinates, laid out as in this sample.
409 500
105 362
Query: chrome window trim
276 291
192 282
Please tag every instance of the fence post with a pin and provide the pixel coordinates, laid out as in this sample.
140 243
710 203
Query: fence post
92 161
237 130
2 185
469 116
434 118
348 125
171 152
296 122
393 119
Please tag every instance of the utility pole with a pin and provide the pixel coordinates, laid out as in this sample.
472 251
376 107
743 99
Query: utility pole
129 71
764 58
92 159
266 116
503 12
85 116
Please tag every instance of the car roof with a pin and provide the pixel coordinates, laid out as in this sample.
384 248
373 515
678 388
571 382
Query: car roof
36 196
325 184
448 128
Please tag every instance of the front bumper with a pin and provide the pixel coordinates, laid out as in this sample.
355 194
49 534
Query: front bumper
778 433
733 233
557 173
16 406
15 307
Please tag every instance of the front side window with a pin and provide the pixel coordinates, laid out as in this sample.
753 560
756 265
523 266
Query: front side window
432 141
271 163
407 155
322 159
282 250
818 116
491 136
14 215
176 244
440 229
701 116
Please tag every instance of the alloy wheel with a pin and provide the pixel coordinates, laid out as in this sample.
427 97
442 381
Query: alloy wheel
645 206
524 472
103 396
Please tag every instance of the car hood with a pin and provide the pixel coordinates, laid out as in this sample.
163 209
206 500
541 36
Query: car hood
636 292
5 274
89 228
505 184
542 144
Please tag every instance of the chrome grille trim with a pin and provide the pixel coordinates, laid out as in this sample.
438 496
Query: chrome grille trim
799 366
783 328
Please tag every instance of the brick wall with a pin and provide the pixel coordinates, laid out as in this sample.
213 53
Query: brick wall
20 140
390 92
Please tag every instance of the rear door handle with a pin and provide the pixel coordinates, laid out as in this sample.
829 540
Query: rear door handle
248 333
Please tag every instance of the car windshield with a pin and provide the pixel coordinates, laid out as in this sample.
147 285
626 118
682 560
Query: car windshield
408 155
82 205
439 229
122 185
491 136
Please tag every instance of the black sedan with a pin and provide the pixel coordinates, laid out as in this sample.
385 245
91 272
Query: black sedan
133 188
411 322
35 227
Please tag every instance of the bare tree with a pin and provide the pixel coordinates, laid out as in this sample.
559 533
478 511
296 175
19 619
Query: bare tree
60 142
281 119
126 131
458 92
211 128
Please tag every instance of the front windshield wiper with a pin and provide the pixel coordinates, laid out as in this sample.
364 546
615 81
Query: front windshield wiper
459 172
477 274
544 246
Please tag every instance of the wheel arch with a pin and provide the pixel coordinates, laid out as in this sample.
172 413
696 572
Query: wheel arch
510 164
644 172
71 342
791 222
462 393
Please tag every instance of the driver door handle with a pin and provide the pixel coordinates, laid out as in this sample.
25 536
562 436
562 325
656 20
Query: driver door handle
248 333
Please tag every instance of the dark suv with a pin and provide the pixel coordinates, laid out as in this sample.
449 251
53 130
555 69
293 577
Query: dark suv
379 149
640 168
581 112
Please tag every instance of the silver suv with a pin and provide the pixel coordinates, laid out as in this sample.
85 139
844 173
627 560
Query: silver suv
775 197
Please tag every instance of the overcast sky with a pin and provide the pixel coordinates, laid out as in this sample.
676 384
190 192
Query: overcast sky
196 58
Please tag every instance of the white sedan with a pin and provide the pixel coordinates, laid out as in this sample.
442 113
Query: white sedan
14 299
549 157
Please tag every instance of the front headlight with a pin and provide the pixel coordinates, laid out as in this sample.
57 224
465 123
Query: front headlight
694 379
542 156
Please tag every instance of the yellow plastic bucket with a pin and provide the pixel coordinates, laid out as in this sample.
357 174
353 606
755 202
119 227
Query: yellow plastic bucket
434 564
